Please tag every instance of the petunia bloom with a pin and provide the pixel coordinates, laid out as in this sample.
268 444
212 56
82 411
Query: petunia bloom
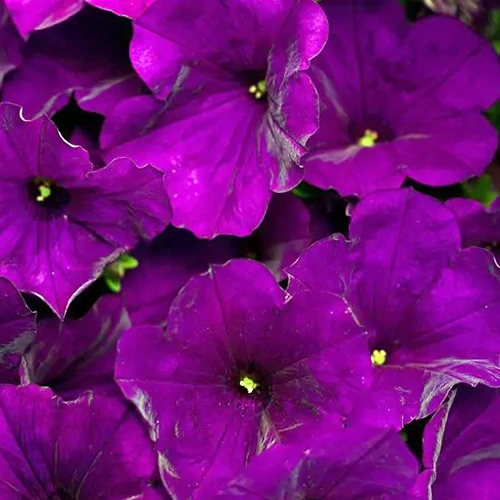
400 100
239 367
352 464
461 447
17 331
232 108
61 222
431 310
86 56
91 448
77 355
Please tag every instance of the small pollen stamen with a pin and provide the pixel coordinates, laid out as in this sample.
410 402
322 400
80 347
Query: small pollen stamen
249 384
259 90
369 139
44 191
379 357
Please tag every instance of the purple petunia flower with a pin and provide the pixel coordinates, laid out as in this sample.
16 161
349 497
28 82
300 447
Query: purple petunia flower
232 107
75 356
431 311
479 226
356 463
17 330
239 366
62 223
461 447
91 448
86 56
400 100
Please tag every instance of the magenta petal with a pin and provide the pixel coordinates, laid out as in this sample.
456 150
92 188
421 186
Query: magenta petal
91 448
32 15
83 56
468 465
355 463
76 356
11 43
211 194
17 327
406 239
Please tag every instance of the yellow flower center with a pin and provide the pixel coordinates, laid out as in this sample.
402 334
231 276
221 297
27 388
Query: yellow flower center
44 189
369 139
379 357
259 90
248 383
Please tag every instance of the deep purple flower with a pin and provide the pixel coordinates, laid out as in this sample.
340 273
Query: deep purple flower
61 222
165 265
461 447
86 56
356 463
431 311
10 43
17 329
232 107
75 356
400 100
91 448
239 366
479 226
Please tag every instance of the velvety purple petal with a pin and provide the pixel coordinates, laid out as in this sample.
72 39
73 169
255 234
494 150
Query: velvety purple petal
469 462
165 266
11 44
294 100
441 150
34 15
75 356
127 8
310 270
228 186
91 448
184 384
17 330
133 199
462 84
479 226
358 462
432 441
405 239
232 36
85 55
